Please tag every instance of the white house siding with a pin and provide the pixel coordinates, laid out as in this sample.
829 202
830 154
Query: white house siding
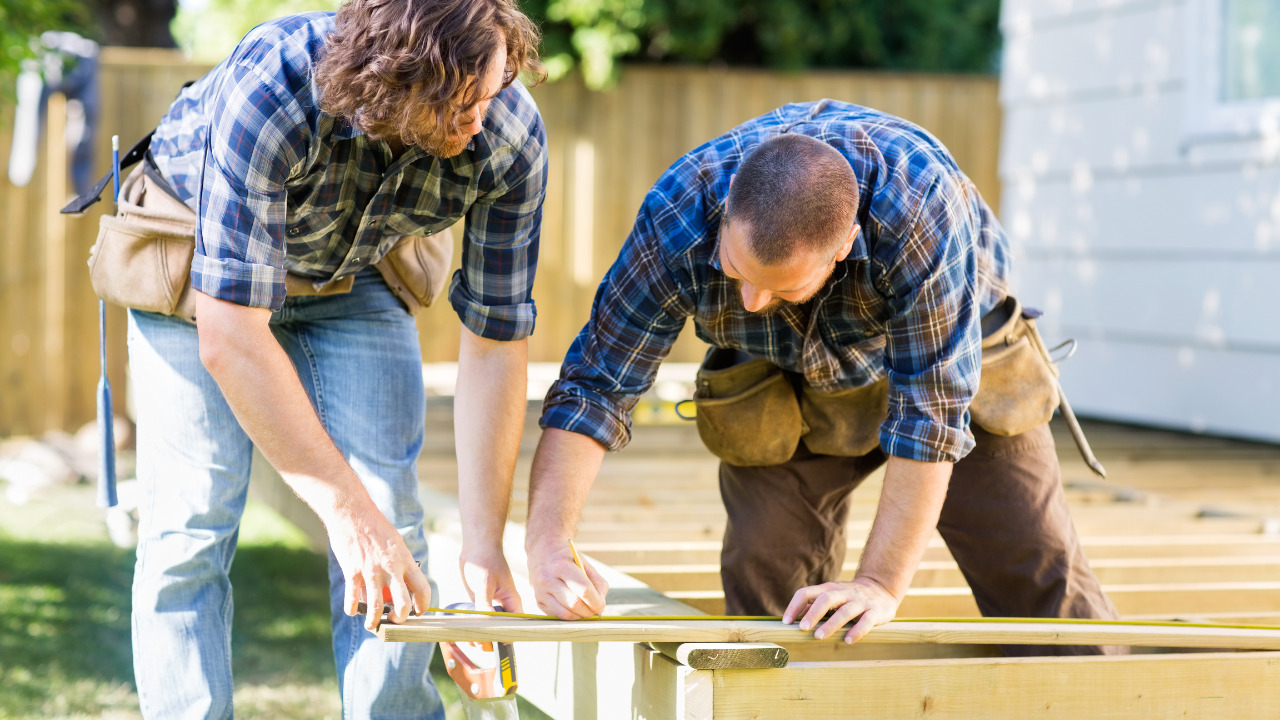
1157 249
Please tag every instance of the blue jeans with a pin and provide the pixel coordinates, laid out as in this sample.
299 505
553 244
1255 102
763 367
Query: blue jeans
359 360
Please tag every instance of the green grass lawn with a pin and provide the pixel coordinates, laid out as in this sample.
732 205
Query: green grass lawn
65 649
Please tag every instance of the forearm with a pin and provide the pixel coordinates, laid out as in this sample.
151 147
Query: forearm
488 420
263 390
564 467
906 517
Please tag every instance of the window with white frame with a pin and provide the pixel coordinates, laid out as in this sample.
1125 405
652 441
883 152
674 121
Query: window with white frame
1233 70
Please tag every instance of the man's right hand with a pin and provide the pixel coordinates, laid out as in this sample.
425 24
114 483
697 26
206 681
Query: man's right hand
560 588
262 387
373 556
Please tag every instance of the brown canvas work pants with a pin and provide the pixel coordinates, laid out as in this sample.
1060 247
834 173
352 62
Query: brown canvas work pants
1005 521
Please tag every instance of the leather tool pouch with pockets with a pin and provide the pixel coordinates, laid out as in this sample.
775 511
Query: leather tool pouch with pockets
1018 389
845 423
142 257
747 409
750 413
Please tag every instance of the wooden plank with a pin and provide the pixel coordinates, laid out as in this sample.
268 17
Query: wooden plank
1025 632
55 261
721 656
659 552
10 387
809 652
1159 515
943 573
1217 685
1167 600
1117 520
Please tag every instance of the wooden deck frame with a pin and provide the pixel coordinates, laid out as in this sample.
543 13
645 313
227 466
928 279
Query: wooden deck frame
1028 632
1153 686
946 675
1217 685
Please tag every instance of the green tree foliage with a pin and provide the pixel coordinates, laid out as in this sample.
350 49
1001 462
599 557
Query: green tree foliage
210 29
595 35
916 35
23 20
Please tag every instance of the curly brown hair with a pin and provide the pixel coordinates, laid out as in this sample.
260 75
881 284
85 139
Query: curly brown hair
406 69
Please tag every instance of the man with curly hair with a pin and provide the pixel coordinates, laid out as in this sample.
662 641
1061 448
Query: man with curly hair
322 146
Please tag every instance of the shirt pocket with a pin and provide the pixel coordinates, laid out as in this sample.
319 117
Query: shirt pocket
315 237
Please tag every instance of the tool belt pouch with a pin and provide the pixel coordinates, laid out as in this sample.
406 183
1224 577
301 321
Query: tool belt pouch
747 409
417 267
142 257
845 423
1018 389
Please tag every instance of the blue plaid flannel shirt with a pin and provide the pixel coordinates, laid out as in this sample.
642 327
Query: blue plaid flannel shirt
287 187
930 260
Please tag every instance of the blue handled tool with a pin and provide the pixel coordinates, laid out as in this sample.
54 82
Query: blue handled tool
107 454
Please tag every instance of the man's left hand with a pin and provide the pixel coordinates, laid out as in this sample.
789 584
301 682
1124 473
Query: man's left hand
487 577
862 598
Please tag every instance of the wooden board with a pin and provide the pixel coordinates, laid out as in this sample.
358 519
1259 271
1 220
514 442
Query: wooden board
1239 686
1169 600
452 629
662 552
942 573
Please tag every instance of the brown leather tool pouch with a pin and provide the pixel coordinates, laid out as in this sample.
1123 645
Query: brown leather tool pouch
847 422
747 409
417 268
1018 389
142 257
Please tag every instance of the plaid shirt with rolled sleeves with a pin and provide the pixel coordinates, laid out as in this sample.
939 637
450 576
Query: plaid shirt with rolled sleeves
929 261
287 187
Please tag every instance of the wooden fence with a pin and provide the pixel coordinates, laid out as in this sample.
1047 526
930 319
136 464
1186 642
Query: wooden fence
606 149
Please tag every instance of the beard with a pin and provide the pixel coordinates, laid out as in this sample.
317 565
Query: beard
777 304
437 141
770 308
443 146
451 147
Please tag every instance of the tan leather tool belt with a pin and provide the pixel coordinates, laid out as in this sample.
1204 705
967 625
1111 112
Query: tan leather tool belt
142 257
750 412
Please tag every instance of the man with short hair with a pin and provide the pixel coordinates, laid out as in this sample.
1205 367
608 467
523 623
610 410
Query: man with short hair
840 265
319 147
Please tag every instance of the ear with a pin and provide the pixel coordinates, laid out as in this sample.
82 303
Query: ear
848 243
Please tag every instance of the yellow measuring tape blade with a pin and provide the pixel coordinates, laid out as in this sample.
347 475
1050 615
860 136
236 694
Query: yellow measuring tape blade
674 618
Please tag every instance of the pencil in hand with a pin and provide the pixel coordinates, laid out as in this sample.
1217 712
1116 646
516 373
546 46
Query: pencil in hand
577 560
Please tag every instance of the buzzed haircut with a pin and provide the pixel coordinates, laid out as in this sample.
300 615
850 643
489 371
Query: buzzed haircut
793 193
